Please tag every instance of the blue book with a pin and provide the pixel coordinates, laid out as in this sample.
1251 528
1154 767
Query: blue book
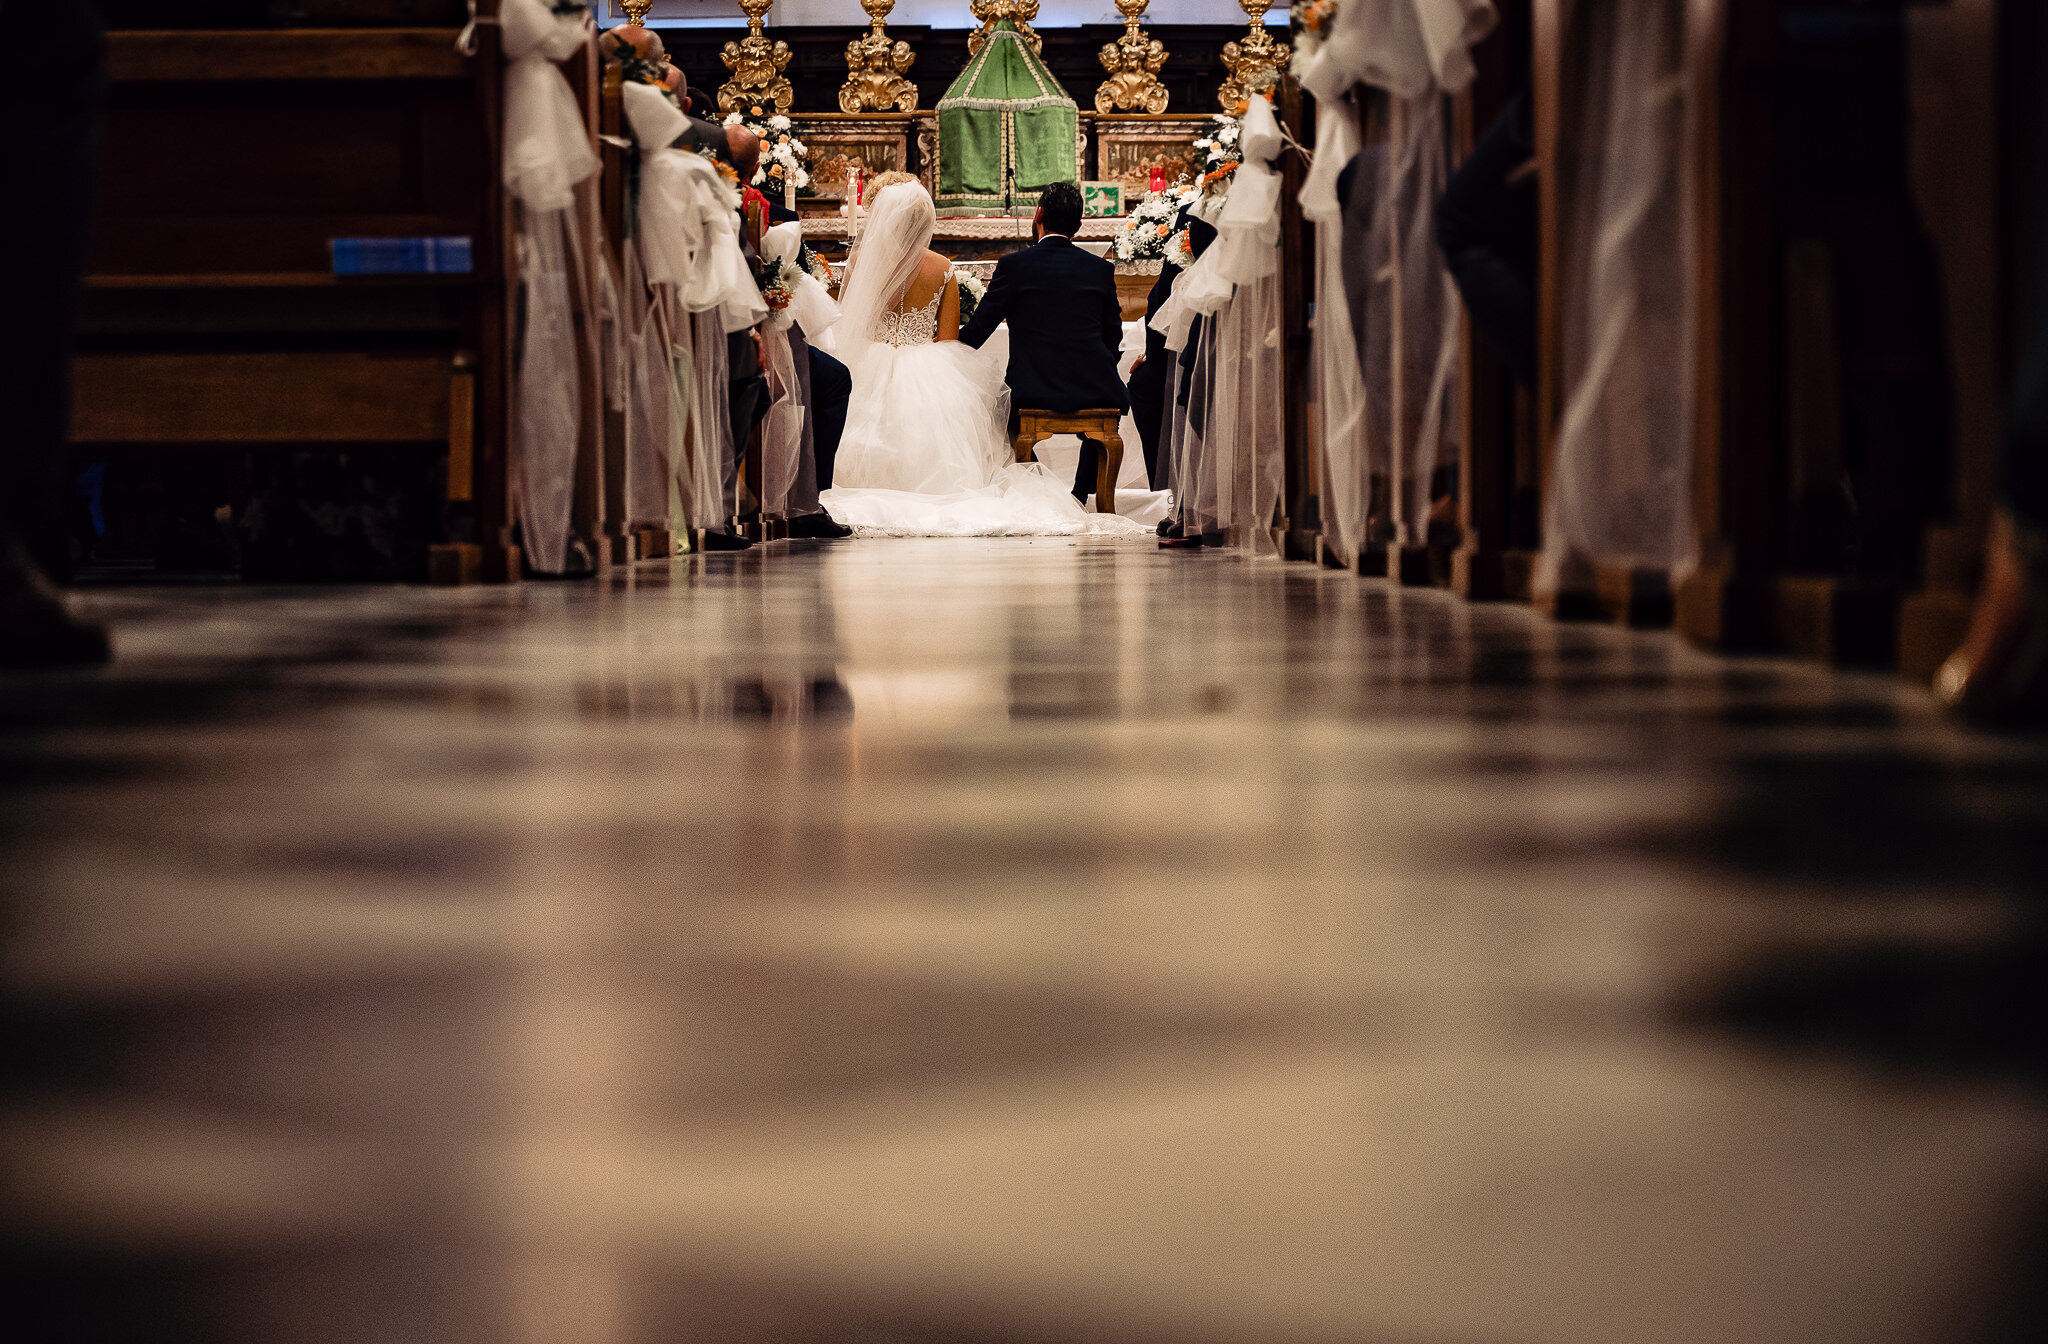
400 256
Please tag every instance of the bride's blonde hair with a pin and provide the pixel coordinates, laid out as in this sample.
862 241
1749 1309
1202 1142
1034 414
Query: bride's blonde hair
884 181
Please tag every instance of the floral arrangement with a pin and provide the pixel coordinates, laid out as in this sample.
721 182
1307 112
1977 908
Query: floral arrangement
783 156
778 278
1312 20
971 290
1220 152
1144 235
639 70
1180 250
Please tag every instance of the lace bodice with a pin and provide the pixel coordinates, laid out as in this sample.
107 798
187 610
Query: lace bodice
914 328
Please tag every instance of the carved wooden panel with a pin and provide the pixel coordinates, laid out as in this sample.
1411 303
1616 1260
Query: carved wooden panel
836 146
1127 150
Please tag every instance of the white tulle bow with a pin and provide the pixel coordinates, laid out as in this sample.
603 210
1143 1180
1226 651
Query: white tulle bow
1403 46
689 222
1247 245
547 147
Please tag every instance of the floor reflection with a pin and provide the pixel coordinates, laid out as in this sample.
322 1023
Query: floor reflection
938 942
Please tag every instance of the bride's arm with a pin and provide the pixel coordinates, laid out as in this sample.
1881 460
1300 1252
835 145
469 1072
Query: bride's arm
949 310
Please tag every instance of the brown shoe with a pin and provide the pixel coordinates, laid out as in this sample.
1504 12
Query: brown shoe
36 629
2000 674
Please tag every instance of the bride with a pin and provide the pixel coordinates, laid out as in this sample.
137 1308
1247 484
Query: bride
925 451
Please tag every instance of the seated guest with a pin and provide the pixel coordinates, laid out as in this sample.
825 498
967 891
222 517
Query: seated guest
746 388
1147 385
1066 323
1486 226
830 383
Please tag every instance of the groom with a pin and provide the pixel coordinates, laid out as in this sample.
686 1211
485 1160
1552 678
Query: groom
1066 324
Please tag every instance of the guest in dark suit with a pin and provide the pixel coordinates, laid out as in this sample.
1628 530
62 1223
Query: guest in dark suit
1148 377
1486 228
1066 323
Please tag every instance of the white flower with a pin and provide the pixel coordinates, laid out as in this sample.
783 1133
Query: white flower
1228 135
778 122
734 119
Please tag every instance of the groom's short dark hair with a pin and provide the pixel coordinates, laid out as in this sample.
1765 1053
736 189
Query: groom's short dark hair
1061 203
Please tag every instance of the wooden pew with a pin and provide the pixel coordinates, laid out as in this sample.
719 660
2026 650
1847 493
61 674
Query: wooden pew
1799 312
212 315
1497 482
1561 69
1298 529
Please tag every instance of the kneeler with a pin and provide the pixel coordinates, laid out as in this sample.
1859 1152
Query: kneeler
1099 424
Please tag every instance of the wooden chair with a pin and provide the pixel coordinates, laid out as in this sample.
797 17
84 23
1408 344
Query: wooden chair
1098 423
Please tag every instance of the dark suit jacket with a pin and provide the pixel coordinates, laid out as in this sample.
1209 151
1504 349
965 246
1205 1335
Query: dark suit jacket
1149 379
1066 326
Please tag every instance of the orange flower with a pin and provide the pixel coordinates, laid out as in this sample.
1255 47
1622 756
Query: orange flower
1165 229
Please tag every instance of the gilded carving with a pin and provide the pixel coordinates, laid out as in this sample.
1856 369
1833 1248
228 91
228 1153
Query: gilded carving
876 68
992 12
928 153
1133 62
757 65
1255 61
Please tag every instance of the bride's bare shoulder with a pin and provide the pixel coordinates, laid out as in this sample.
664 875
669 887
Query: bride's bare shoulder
936 264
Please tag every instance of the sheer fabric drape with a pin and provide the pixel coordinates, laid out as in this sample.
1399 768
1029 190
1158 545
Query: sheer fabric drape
810 316
699 291
1620 489
1414 322
547 153
1386 360
1337 389
1226 439
893 243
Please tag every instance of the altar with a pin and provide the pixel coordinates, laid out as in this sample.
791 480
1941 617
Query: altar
1005 128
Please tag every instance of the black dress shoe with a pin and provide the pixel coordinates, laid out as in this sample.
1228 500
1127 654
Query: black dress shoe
818 527
1169 527
725 541
36 628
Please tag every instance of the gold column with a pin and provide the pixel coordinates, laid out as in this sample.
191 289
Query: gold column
1133 63
757 65
1256 61
876 68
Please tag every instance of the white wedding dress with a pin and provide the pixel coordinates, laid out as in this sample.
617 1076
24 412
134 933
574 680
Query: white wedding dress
926 450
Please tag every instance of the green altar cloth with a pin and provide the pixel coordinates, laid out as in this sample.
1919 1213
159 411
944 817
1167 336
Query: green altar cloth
1005 121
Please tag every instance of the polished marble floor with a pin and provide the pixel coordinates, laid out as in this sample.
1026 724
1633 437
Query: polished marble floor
1005 942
